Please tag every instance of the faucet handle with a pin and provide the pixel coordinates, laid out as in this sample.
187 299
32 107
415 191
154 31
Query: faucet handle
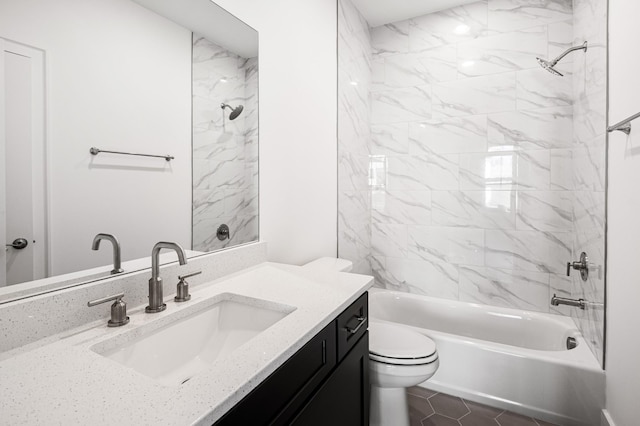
183 287
581 265
193 274
118 309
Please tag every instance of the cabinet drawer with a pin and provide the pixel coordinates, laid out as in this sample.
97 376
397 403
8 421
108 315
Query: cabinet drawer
352 324
280 396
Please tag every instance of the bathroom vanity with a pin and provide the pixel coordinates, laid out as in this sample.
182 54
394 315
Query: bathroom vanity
325 382
292 348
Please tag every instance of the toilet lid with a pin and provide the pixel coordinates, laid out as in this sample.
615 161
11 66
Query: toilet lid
397 344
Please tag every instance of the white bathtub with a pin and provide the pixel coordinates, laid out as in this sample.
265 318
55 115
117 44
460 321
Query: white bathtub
507 358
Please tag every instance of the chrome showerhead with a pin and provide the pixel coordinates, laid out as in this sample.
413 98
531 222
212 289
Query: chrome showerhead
235 112
549 65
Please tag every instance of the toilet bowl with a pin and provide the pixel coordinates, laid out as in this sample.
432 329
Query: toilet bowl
398 358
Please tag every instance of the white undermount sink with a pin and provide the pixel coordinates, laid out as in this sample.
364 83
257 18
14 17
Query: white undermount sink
175 352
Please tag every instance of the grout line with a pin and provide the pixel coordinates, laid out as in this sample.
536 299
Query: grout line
445 416
464 401
468 414
432 409
418 395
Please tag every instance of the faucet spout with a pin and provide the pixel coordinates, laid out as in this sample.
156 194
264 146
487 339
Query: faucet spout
155 256
155 283
117 267
578 303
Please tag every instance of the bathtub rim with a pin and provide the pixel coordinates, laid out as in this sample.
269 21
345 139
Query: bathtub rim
580 355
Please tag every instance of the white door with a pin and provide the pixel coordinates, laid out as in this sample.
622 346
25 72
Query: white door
22 186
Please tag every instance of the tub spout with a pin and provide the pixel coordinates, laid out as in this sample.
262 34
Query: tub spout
579 303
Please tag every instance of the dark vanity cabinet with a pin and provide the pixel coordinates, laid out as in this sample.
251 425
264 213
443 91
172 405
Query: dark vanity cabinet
325 383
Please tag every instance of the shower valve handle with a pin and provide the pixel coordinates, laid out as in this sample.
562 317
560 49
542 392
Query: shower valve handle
581 265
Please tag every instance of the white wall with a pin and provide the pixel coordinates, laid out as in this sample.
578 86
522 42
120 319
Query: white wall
298 101
623 285
119 78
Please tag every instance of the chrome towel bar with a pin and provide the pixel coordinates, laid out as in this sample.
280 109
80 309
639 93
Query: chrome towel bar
96 151
625 125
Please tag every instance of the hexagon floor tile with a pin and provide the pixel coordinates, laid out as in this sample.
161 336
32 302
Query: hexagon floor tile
429 408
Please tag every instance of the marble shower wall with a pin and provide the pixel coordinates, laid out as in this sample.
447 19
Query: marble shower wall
468 172
354 133
225 152
472 140
589 166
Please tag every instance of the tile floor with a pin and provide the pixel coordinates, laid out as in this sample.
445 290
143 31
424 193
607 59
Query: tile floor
429 408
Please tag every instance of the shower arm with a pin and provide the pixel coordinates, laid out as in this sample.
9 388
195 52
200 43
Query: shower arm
571 49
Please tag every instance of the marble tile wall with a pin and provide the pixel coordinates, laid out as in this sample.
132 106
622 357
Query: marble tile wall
589 166
354 135
225 152
484 176
475 203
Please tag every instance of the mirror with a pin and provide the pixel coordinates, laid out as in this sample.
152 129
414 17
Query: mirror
175 81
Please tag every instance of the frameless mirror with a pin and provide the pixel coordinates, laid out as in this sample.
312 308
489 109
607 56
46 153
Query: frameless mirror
83 85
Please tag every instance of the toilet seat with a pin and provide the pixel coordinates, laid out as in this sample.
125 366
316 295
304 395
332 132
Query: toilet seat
397 345
400 361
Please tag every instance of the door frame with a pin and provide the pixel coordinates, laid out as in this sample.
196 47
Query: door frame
40 175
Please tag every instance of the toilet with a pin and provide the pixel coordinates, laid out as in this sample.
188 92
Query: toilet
398 358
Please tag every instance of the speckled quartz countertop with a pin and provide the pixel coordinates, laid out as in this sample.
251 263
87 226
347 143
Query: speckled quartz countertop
63 381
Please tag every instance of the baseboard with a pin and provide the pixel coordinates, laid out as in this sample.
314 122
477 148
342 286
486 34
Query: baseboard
606 419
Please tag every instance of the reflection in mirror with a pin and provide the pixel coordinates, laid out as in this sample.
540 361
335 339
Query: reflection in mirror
69 82
225 149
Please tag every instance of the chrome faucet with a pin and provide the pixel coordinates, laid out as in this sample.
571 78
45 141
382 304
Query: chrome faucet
117 269
578 303
155 283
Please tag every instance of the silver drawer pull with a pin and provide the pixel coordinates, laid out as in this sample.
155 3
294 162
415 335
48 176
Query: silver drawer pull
361 321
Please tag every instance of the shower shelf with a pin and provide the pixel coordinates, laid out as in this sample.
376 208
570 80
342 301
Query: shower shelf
96 151
625 125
